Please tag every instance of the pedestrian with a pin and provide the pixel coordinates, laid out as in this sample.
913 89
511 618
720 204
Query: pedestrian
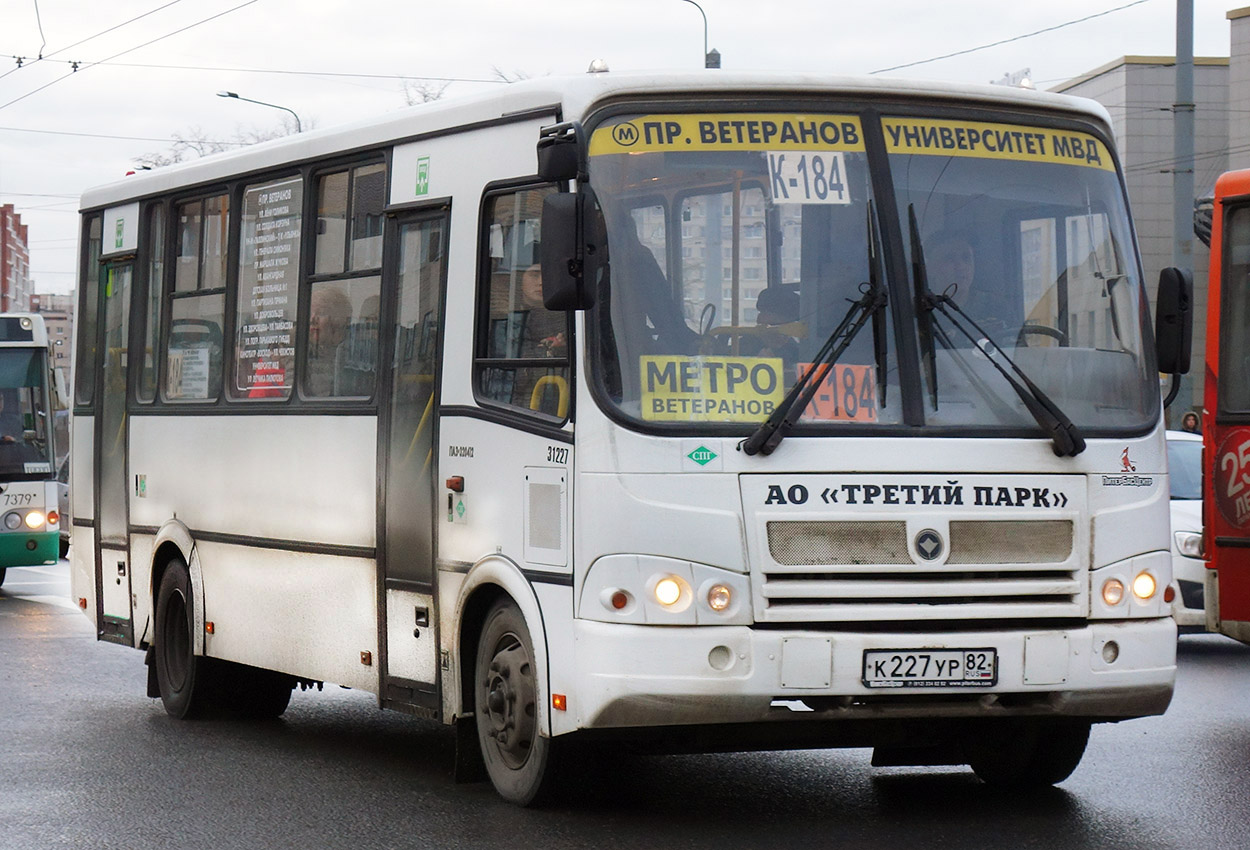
1191 423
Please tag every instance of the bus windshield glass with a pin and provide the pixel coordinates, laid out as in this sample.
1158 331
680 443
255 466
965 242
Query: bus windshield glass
25 449
739 242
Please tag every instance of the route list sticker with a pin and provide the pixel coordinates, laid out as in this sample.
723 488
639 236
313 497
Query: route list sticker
268 274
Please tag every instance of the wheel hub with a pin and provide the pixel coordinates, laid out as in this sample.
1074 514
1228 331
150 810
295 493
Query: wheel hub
510 702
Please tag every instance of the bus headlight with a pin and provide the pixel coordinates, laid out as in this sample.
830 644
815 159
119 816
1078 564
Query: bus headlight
719 597
1112 591
654 590
34 519
1144 586
12 521
668 591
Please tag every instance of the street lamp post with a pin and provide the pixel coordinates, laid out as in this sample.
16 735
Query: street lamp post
711 59
298 127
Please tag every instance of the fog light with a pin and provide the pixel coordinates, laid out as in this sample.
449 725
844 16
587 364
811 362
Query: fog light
667 591
1110 651
719 597
34 519
1112 591
1144 586
1188 543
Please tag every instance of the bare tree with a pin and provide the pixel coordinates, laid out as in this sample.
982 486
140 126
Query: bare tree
195 143
423 91
505 77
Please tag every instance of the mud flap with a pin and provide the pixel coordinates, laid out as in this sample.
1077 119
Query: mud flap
154 689
469 765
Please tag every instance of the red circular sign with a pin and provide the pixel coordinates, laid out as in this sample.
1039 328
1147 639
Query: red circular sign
1231 478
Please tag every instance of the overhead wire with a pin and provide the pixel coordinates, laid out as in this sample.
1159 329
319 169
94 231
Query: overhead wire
131 50
101 135
39 22
22 64
285 71
1009 40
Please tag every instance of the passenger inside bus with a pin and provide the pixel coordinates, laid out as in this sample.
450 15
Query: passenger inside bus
543 332
777 309
952 269
11 426
642 292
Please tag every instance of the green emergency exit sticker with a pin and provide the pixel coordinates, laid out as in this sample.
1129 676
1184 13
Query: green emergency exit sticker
702 455
423 175
121 230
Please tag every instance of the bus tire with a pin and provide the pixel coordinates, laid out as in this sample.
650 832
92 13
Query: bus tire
185 680
506 707
3 570
1028 754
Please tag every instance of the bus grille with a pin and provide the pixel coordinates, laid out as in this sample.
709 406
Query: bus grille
865 571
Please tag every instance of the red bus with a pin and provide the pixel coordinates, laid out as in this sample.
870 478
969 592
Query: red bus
1226 399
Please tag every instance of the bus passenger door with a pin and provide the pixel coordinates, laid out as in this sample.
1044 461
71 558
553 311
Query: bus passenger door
408 421
112 565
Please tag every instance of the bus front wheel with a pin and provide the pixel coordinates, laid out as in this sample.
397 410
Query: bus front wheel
1027 754
506 708
184 678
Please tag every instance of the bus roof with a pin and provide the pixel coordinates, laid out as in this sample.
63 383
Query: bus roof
1232 184
571 97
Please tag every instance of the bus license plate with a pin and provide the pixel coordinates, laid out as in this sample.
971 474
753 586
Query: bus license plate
930 668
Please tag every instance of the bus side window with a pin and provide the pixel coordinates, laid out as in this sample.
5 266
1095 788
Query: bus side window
193 365
89 314
522 347
340 359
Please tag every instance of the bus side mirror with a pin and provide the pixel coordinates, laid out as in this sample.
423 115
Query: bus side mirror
60 389
1174 320
560 149
569 259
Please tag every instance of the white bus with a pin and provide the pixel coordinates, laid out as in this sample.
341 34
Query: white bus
31 444
711 411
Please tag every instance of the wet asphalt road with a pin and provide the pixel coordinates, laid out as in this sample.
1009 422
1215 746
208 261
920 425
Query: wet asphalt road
87 761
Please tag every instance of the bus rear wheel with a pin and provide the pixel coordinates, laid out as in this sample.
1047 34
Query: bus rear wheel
1028 754
185 680
506 708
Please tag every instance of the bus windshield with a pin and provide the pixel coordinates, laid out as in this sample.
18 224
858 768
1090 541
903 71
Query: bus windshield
25 447
739 242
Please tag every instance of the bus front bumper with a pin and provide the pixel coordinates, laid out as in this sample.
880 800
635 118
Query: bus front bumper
645 676
29 548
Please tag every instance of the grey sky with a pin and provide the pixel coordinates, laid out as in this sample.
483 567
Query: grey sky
42 173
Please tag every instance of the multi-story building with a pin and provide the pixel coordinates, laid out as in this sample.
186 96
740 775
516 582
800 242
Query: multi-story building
14 261
58 316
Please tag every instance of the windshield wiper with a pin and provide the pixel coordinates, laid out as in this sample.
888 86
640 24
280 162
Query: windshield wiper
1066 438
870 305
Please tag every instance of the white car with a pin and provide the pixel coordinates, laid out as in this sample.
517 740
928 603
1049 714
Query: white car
1188 567
62 489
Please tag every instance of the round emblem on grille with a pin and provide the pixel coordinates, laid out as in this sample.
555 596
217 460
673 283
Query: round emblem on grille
929 544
